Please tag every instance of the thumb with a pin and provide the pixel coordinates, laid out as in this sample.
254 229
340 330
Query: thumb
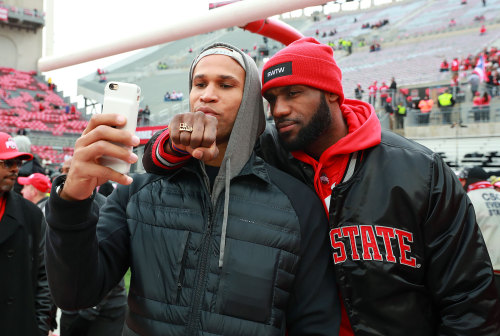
206 154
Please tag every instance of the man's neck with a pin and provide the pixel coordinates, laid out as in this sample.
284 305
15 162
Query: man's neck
38 198
334 133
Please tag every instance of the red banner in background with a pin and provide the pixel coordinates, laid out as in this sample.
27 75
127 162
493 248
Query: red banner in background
145 133
4 14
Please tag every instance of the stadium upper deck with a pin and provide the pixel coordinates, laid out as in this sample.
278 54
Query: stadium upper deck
414 42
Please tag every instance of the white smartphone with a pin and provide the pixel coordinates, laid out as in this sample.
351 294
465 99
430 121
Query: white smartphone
121 98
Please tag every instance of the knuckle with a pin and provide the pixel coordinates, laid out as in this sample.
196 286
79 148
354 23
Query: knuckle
199 115
101 130
100 145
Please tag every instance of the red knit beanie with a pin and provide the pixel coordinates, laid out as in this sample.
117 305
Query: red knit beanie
304 62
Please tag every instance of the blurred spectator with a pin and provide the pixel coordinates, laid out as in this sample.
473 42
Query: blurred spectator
445 103
161 66
481 107
455 65
379 24
452 23
486 201
425 106
28 167
384 93
389 110
46 161
482 30
174 96
493 83
358 92
372 93
36 188
374 47
477 100
444 66
400 115
102 79
50 84
348 44
394 86
474 82
143 116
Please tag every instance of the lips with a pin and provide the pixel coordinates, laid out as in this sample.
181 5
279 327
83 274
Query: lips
207 110
12 177
285 126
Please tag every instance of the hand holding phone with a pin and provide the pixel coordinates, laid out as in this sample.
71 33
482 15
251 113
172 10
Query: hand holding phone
123 99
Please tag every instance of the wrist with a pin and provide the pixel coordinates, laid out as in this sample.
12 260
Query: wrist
173 150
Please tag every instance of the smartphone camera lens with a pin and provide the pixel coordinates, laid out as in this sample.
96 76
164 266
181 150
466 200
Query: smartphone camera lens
113 86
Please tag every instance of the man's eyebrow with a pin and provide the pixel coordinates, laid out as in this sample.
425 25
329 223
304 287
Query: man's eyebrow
284 89
227 77
219 76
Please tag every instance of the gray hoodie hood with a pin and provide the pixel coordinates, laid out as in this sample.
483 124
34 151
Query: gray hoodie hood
249 124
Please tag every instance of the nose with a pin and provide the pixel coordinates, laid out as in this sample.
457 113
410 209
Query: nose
209 94
280 108
15 168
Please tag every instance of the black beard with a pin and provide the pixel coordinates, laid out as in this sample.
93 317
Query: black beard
320 122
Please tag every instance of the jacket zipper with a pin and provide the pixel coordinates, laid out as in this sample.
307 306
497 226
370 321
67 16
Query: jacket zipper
181 275
194 317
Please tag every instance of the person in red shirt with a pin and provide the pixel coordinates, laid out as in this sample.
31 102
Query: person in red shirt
372 93
482 31
384 94
455 65
478 100
481 107
444 66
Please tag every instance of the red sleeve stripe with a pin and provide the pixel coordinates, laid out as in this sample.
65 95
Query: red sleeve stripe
164 160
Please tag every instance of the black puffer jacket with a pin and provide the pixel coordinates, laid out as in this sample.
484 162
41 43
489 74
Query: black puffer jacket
276 259
410 258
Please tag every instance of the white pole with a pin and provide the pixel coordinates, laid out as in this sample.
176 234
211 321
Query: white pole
236 14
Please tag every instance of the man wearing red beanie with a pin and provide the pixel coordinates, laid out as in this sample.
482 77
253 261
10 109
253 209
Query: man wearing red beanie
409 257
403 232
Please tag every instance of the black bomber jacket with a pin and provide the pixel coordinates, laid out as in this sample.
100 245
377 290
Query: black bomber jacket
409 256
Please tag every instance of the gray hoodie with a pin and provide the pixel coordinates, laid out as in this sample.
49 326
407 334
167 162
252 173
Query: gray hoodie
249 124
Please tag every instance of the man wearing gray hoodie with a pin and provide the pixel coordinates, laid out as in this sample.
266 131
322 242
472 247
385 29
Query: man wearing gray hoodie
231 246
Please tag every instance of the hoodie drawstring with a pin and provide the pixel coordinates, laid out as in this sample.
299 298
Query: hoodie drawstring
226 211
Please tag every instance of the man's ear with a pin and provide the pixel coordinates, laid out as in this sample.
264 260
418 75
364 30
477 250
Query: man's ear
331 97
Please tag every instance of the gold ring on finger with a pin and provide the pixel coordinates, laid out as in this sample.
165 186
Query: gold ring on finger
185 127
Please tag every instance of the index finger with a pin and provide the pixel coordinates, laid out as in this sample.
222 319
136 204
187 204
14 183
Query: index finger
110 119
